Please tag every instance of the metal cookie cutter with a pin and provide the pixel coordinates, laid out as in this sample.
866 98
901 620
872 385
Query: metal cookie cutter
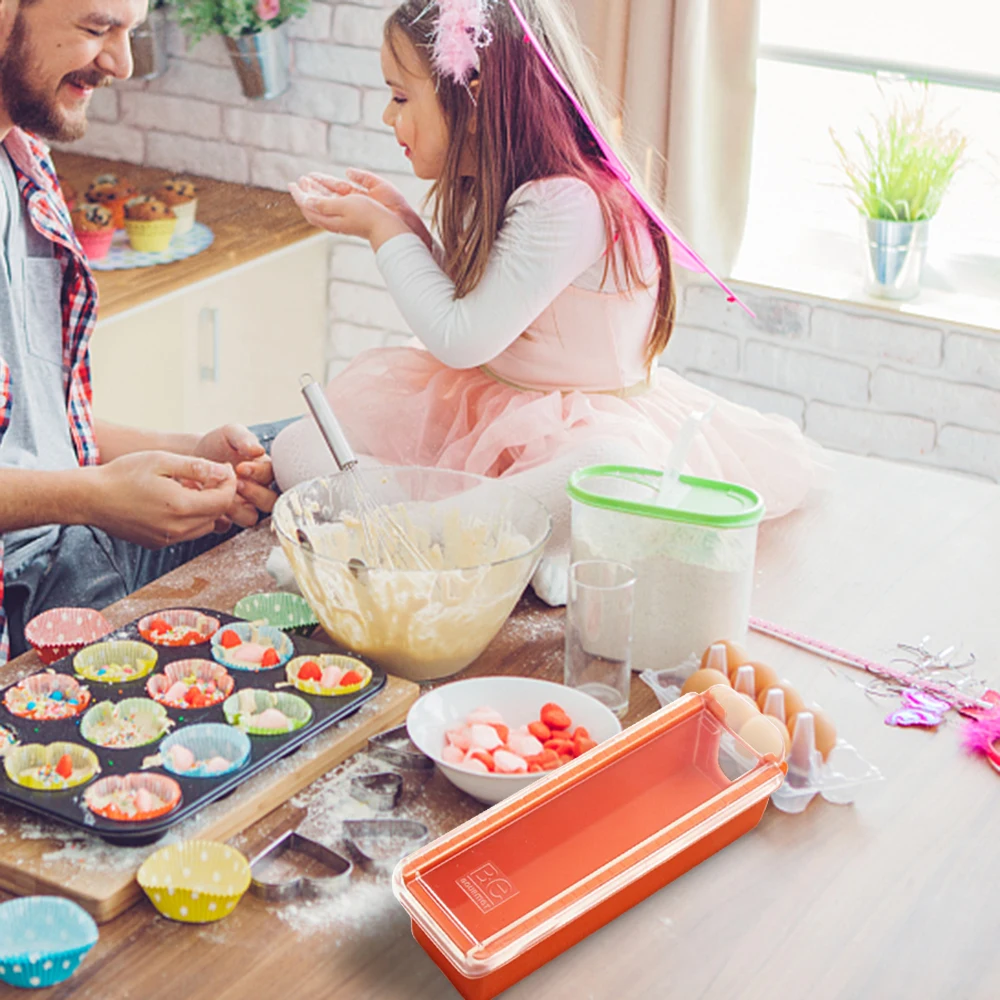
380 791
394 747
383 842
312 886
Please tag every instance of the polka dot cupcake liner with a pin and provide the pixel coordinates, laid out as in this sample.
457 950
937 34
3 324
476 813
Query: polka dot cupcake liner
178 627
116 662
197 881
133 722
207 745
47 697
175 686
43 940
62 632
288 612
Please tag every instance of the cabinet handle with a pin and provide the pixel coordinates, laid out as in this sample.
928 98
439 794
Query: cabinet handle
210 314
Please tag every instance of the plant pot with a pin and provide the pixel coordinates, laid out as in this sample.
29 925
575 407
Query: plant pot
894 257
261 62
149 46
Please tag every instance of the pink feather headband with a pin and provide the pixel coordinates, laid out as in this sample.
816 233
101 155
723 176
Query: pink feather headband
462 31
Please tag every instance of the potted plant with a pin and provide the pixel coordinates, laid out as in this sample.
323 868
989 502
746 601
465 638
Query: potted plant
898 182
149 43
254 34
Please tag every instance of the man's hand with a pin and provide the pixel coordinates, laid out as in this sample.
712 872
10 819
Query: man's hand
234 445
157 498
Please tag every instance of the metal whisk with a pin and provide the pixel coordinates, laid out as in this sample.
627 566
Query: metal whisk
386 543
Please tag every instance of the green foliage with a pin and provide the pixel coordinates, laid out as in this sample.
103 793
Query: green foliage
230 17
905 166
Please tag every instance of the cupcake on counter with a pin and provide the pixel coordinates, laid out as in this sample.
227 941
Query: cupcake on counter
150 224
181 195
112 192
95 229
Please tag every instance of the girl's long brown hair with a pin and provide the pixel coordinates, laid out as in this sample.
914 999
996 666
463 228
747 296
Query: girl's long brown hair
522 127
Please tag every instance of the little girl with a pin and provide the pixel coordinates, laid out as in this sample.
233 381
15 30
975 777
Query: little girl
543 309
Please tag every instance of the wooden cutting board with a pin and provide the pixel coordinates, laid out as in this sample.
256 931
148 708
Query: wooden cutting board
39 857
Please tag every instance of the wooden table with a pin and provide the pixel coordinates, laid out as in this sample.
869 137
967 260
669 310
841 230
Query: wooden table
248 222
887 898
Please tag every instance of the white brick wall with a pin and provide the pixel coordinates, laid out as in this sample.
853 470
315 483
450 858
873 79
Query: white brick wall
858 379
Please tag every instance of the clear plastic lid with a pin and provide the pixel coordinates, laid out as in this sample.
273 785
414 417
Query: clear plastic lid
496 886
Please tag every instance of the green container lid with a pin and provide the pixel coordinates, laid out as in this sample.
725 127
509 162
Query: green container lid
626 489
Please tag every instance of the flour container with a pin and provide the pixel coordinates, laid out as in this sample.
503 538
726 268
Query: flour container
693 560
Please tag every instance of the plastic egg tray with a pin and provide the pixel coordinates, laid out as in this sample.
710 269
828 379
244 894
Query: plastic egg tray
196 792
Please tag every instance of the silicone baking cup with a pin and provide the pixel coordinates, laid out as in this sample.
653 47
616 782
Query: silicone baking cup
184 627
133 798
289 612
43 940
115 662
133 722
196 882
262 635
242 708
210 679
324 662
62 632
43 767
47 697
96 244
150 237
207 742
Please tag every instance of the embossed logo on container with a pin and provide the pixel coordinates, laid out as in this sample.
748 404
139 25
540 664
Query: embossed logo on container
487 887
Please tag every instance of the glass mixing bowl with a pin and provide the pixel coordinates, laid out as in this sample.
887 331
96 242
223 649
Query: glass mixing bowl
481 540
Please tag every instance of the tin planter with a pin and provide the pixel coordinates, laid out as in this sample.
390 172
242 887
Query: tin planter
261 60
149 46
894 257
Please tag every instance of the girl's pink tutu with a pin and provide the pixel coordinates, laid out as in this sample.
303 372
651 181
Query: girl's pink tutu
404 407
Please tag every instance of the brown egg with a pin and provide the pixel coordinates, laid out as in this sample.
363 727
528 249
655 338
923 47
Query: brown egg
738 708
736 655
763 734
793 700
763 676
702 680
823 726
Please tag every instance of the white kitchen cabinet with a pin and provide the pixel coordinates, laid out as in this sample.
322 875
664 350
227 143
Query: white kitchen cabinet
230 348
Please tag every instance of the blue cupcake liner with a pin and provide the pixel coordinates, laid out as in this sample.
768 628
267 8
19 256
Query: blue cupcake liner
207 740
43 940
266 633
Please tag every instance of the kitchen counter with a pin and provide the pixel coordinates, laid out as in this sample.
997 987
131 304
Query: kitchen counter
248 222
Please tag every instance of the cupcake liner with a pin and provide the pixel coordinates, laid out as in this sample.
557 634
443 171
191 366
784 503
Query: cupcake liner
8 739
324 661
61 632
116 662
165 789
185 213
133 722
159 686
33 766
96 244
242 706
196 881
150 237
46 697
198 627
206 741
288 612
43 940
263 635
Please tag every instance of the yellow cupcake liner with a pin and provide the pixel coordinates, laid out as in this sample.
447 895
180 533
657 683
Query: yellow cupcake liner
196 881
327 660
150 237
138 721
33 766
116 662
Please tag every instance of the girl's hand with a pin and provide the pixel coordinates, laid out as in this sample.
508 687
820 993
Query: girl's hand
349 214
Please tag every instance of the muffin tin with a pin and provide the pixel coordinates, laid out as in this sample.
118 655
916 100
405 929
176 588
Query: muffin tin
196 792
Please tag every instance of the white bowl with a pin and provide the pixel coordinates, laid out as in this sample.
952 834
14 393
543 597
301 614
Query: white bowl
518 700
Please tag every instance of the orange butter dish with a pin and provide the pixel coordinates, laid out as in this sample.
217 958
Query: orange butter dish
605 831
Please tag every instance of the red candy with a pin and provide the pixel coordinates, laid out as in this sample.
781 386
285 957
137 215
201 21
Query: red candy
310 671
353 677
583 744
158 625
540 731
191 638
502 731
65 766
229 639
554 717
270 658
485 757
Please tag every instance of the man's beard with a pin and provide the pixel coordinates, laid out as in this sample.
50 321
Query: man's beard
27 107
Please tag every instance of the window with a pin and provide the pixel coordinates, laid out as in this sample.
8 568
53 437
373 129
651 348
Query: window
824 66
